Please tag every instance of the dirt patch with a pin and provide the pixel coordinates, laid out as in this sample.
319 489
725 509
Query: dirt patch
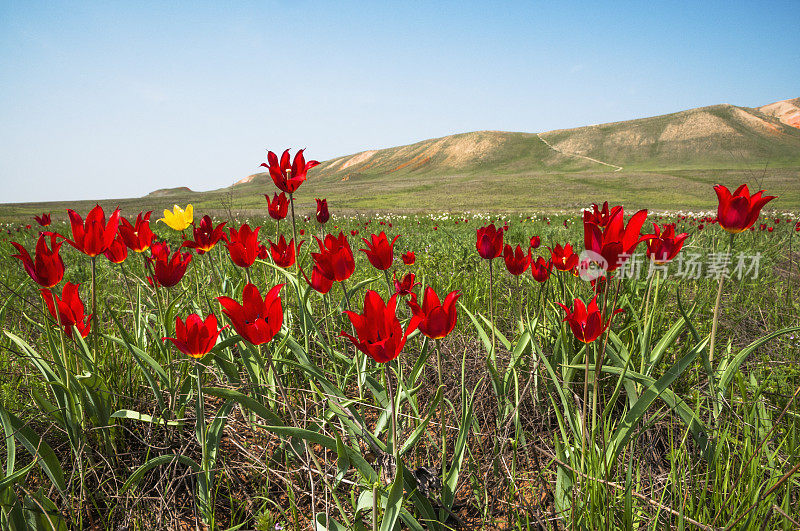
756 122
697 125
246 180
787 111
455 151
358 159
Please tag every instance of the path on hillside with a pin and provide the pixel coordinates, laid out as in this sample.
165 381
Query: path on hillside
616 168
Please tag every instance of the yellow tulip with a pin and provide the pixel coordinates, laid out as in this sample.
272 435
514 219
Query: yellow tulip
179 218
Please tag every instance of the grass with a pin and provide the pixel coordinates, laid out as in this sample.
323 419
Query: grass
514 444
508 193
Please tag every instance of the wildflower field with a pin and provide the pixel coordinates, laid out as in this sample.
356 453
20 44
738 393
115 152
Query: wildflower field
596 369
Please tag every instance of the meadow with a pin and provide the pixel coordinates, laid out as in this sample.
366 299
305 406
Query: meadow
463 396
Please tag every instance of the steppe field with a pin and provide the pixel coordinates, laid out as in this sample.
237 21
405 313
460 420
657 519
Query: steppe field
585 329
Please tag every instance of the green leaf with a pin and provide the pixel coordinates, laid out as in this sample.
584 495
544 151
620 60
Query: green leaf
246 402
730 368
137 475
333 525
40 450
677 405
657 353
506 343
420 429
12 478
215 430
328 442
395 502
10 442
142 417
630 422
342 461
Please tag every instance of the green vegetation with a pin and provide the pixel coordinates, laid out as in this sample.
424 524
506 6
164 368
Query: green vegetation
674 442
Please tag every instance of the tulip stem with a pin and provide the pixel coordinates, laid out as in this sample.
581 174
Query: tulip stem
275 271
300 309
519 302
294 236
94 311
395 445
203 482
491 309
214 269
127 285
442 410
388 283
716 312
64 359
375 507
356 354
584 428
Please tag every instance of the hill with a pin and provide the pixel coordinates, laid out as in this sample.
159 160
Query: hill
661 162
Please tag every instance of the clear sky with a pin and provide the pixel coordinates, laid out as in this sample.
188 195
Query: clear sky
118 98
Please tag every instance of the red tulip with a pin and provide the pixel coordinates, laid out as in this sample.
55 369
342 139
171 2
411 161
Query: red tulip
615 241
535 242
243 245
282 253
71 311
378 331
159 250
516 260
335 257
586 323
206 235
95 235
436 320
404 287
380 252
138 236
319 282
409 258
288 177
117 252
257 320
770 229
278 207
170 270
489 242
197 337
664 247
540 269
47 267
739 211
322 211
564 258
43 220
599 217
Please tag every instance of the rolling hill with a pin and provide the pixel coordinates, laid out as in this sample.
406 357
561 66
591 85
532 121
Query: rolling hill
720 136
667 161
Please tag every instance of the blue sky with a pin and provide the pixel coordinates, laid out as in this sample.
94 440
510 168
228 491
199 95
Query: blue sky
116 99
